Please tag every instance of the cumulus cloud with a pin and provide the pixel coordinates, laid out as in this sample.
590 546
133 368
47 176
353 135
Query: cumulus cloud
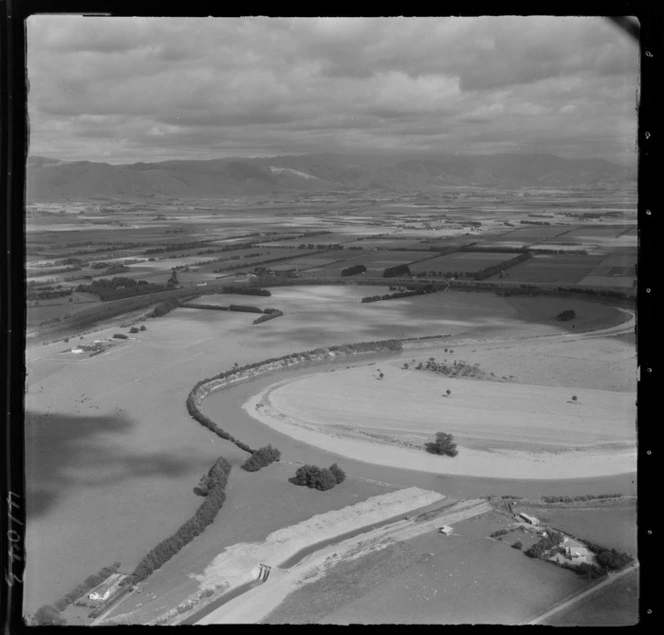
141 89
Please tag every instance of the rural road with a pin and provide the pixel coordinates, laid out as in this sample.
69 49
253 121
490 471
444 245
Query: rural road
610 580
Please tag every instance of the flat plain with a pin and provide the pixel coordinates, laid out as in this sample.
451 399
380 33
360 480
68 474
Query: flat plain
108 434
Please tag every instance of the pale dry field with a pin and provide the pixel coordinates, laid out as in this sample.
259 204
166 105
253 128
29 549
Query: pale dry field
482 413
524 427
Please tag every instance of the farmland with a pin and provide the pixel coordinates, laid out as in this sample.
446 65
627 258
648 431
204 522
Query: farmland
108 434
438 578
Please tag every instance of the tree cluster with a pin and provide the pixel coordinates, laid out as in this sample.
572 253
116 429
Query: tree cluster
354 270
164 307
315 477
565 316
398 270
545 544
613 560
119 287
261 458
203 517
215 476
443 445
458 368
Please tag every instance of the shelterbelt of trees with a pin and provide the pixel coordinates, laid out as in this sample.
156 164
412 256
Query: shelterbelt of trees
213 487
226 378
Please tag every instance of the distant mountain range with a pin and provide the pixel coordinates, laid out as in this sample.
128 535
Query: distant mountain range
53 180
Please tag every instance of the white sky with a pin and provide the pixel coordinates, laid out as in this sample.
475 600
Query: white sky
148 89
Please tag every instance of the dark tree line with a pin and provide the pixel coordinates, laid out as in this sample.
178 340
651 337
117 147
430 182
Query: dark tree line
195 412
120 287
269 314
164 307
354 270
261 458
214 484
502 266
398 270
239 289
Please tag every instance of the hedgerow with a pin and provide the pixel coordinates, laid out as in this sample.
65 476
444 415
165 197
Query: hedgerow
213 484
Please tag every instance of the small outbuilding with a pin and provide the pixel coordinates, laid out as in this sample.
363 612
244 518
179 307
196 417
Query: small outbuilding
531 520
107 588
446 530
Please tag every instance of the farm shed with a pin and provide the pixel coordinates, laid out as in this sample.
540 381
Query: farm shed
531 520
106 588
446 530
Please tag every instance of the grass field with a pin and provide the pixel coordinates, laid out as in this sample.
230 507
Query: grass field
613 526
110 434
616 605
460 579
257 504
538 232
559 268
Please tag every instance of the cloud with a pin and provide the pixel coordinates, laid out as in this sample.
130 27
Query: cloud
130 89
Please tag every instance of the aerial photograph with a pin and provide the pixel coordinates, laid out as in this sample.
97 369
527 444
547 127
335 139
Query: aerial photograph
331 321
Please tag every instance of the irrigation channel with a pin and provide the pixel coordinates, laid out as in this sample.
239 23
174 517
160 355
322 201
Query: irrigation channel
303 553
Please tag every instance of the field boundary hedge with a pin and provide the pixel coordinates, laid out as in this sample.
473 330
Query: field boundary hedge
207 386
213 487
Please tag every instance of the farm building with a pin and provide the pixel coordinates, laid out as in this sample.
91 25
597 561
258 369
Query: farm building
446 530
531 520
577 553
106 588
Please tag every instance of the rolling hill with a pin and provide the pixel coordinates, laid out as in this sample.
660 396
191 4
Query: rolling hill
54 180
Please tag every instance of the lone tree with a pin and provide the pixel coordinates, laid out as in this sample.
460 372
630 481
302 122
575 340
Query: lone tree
448 392
575 398
444 444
